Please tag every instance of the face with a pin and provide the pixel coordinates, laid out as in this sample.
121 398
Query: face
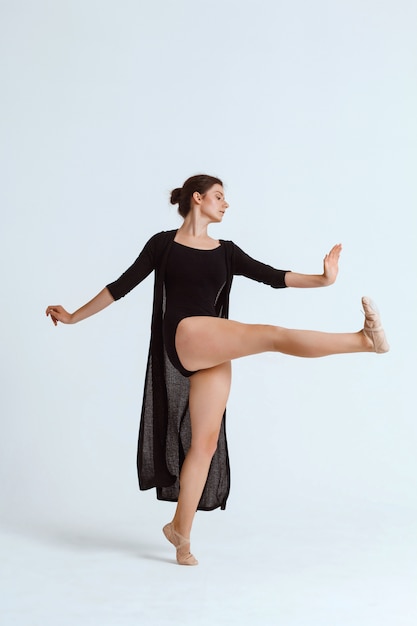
212 204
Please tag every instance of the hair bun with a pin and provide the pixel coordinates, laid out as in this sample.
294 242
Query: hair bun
176 195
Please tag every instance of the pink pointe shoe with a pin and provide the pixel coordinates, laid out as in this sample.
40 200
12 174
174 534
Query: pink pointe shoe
372 327
184 556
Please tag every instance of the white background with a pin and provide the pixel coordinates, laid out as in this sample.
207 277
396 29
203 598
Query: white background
306 110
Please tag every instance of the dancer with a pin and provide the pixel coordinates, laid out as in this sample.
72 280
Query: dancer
182 449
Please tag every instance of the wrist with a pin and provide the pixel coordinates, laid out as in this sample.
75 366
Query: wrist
327 281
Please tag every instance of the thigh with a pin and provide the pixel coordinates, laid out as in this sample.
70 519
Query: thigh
209 391
203 342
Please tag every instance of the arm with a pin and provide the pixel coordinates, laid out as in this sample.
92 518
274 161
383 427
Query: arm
330 270
98 303
137 272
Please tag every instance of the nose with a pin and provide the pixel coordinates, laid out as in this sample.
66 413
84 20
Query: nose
226 204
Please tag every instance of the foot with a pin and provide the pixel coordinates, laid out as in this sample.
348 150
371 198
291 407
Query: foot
184 556
372 328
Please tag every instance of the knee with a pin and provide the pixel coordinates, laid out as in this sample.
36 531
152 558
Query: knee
206 447
276 338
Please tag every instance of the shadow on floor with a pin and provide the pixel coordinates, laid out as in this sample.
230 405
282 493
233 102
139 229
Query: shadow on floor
90 539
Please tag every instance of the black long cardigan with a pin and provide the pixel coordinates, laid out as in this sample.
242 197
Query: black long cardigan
165 432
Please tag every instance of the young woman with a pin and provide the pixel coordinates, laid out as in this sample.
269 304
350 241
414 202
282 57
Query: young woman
182 447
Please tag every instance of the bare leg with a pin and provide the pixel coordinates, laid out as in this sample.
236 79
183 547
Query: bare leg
207 341
209 344
209 390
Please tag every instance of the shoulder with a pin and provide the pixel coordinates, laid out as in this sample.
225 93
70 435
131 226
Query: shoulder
159 240
231 248
158 246
164 235
229 245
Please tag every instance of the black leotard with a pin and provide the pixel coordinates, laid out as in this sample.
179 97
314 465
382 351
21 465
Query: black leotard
165 427
193 283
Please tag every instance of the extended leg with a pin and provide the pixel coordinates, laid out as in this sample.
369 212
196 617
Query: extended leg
209 390
207 341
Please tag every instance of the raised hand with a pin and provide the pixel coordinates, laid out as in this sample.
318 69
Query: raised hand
331 264
57 313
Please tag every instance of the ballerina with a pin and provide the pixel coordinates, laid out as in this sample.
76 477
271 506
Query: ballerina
182 448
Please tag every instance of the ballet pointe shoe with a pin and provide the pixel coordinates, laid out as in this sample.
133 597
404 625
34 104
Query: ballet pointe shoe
184 556
372 327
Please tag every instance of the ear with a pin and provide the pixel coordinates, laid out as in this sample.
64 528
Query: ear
197 197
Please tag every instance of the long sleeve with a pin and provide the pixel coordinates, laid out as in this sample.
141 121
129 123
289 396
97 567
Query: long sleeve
138 271
244 265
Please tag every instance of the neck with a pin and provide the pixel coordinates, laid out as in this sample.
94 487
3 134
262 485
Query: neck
194 226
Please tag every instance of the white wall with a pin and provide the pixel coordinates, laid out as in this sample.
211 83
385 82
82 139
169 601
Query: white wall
307 111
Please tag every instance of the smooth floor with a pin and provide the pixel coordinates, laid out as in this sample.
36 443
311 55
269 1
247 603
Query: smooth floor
301 568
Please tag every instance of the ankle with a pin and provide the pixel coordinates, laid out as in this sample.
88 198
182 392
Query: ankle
182 545
366 342
181 529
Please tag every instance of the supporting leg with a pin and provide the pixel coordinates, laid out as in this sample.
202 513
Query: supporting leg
209 390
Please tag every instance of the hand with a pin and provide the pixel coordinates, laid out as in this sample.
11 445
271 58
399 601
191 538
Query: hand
57 314
331 264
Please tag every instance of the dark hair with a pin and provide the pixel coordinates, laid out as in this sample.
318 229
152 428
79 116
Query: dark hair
182 195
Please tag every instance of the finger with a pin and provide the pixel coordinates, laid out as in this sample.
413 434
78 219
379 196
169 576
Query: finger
336 250
53 309
51 312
